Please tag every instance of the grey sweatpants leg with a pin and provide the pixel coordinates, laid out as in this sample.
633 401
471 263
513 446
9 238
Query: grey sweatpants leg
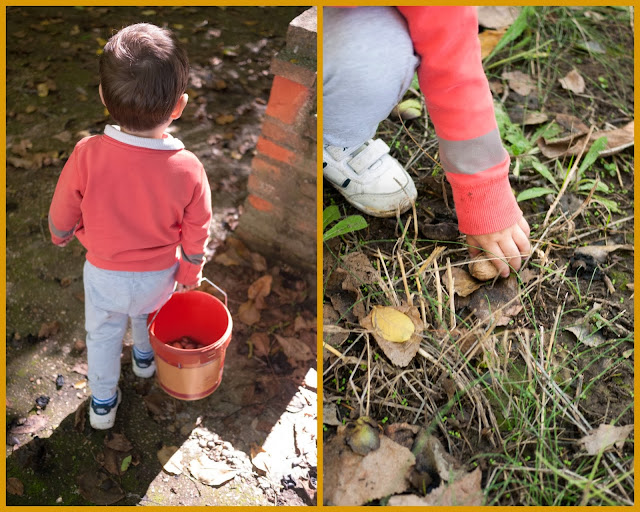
368 63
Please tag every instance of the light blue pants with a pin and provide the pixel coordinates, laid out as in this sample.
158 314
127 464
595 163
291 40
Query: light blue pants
110 299
368 65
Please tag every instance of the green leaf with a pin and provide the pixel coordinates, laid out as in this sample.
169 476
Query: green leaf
532 193
125 463
596 148
587 185
544 171
330 214
609 204
347 225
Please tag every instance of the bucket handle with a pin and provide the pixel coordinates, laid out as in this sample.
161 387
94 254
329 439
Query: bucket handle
226 299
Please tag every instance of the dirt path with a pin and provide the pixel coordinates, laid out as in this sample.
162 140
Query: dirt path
53 456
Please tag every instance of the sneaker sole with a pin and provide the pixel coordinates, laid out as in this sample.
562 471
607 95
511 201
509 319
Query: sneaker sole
144 373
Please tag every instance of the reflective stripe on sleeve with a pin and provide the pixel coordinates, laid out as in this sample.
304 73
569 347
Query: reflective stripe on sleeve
472 155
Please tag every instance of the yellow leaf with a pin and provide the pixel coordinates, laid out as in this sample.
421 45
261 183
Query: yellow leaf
178 26
43 90
392 324
101 41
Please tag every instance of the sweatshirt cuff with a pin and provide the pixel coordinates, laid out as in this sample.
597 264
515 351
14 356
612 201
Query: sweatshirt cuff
484 201
189 274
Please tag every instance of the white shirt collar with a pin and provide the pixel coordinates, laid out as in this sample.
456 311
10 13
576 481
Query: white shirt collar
168 143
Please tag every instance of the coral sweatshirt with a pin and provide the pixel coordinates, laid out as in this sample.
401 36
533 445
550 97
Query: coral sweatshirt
131 201
460 106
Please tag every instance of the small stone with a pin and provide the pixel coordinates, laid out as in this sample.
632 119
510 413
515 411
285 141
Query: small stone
59 499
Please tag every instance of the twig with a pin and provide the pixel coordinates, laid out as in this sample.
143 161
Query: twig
452 308
568 179
404 280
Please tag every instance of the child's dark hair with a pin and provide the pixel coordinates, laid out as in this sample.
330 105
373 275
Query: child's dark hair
143 74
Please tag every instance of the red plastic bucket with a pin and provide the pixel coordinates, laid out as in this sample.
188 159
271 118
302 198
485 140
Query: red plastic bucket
195 373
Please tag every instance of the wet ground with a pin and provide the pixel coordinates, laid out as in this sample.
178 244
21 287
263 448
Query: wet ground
252 442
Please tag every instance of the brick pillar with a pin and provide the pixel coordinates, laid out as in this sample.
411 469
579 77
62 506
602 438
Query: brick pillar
279 218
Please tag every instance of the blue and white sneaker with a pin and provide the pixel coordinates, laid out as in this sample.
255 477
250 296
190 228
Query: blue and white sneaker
102 413
144 364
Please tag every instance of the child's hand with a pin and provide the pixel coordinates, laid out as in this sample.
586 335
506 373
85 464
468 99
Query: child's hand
185 288
509 244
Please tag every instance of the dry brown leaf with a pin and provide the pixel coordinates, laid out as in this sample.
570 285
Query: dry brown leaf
466 491
211 472
356 270
49 329
600 252
463 283
489 39
99 488
171 459
330 415
259 289
300 324
248 313
64 136
573 82
295 349
497 16
22 148
532 118
225 119
118 442
261 343
32 424
519 82
604 438
352 480
488 299
617 140
15 486
81 368
400 354
585 335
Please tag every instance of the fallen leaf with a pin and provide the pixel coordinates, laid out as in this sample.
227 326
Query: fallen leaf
431 457
617 140
210 472
125 463
586 336
64 136
601 252
99 488
399 354
171 459
604 438
118 442
81 384
261 343
33 423
408 109
259 289
81 368
532 118
330 415
301 324
49 329
573 82
463 283
519 82
494 16
355 271
466 491
225 119
43 90
352 480
391 324
486 301
15 486
489 39
248 313
295 349
22 148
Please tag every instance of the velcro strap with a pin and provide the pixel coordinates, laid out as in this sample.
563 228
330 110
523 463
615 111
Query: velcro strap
371 153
